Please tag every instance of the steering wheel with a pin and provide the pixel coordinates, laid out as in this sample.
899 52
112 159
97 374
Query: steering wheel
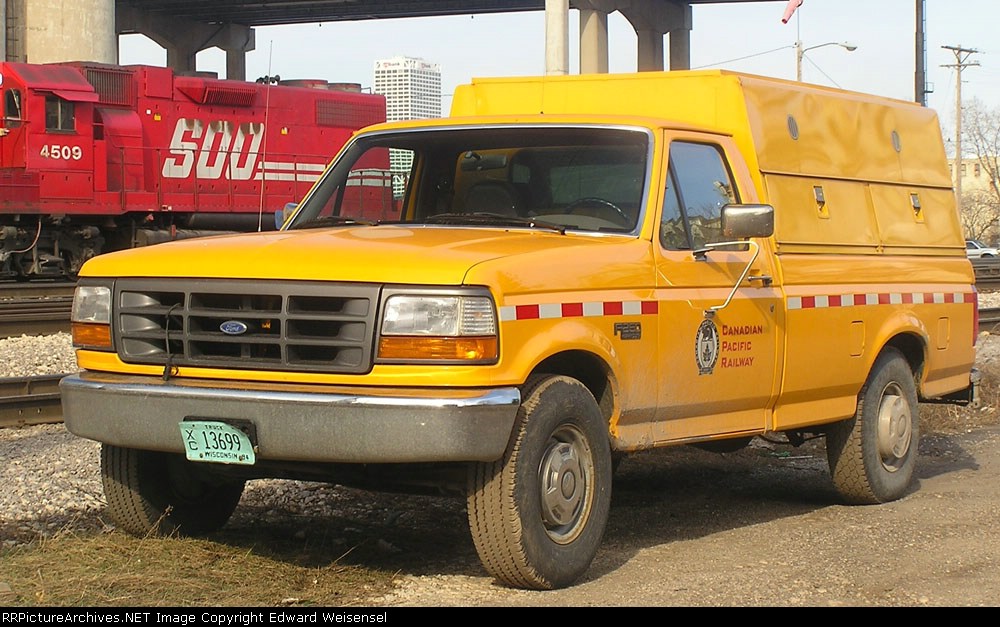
595 202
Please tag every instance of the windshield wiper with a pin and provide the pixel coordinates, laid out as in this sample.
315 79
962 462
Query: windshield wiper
492 218
333 220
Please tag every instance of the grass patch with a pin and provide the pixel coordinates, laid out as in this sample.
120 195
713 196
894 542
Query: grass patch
117 570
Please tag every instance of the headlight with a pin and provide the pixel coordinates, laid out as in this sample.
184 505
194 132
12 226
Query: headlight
91 317
440 327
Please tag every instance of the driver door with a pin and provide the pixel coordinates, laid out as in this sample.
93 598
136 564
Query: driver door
718 360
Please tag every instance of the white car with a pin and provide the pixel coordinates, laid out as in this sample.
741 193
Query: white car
978 250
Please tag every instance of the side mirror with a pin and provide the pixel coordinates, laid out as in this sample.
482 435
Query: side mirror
743 221
279 215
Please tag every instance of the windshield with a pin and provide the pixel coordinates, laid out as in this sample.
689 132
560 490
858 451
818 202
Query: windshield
563 178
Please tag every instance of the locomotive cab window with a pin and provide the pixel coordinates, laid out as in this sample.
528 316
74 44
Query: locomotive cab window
12 108
59 114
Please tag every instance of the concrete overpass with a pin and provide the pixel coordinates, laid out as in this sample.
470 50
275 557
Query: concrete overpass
44 31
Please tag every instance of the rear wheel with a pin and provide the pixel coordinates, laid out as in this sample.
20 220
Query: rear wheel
149 492
873 454
538 514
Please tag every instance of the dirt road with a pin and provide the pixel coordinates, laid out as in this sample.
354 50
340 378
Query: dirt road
761 528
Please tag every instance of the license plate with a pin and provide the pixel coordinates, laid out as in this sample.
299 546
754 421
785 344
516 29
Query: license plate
217 442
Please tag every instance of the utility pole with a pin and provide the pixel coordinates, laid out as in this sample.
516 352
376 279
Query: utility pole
961 62
920 55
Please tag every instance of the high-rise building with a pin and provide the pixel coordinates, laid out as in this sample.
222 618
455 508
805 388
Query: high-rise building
412 90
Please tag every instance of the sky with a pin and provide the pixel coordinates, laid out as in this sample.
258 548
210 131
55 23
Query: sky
744 36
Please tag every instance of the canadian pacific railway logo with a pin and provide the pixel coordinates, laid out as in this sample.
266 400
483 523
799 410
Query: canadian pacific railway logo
706 347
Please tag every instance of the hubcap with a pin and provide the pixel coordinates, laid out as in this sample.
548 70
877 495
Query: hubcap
894 427
565 481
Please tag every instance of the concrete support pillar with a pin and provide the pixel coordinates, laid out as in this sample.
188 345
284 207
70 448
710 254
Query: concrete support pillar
236 64
680 48
51 31
3 30
184 39
649 56
652 19
556 37
593 42
594 34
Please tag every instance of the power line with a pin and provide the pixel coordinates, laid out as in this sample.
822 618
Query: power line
749 56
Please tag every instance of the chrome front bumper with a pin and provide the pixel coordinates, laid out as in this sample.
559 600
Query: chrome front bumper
310 423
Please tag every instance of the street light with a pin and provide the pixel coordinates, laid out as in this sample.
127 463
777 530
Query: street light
800 52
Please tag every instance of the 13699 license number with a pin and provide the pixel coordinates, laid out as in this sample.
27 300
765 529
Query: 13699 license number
218 442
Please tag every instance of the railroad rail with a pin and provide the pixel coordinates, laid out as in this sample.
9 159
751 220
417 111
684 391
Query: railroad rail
35 308
987 273
989 319
33 400
44 308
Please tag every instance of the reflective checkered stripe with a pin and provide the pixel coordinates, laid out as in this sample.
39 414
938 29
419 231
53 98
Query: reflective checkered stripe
578 310
823 301
548 311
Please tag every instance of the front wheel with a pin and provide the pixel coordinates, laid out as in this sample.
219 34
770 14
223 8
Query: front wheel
873 454
538 514
149 492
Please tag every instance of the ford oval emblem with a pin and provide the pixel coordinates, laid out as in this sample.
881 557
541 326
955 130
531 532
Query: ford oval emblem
233 327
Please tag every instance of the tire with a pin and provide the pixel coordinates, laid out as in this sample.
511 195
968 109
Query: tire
872 455
528 536
153 493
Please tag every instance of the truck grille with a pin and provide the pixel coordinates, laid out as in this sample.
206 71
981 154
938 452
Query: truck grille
287 325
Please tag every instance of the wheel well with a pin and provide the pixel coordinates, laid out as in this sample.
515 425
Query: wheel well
912 348
589 370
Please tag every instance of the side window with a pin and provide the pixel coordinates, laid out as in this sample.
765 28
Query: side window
59 114
12 108
673 232
703 186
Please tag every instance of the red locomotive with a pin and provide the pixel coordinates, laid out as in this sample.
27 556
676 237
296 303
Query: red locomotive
97 157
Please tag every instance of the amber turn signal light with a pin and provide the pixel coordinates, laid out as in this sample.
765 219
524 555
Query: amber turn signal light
90 335
468 349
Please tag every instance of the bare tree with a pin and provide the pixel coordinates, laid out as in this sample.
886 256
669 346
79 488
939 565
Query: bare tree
981 187
979 215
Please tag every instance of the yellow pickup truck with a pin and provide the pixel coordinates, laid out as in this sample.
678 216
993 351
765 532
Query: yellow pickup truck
501 304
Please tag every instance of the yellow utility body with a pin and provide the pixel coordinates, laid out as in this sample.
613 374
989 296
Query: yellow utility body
504 302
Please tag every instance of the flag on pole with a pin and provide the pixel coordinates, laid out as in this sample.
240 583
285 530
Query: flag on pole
789 9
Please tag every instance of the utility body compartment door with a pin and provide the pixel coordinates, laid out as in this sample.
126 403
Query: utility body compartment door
717 367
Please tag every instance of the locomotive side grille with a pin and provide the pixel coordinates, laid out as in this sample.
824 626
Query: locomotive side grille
232 96
113 86
315 327
347 114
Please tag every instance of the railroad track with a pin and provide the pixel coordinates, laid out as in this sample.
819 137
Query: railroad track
35 308
987 274
35 400
31 400
43 309
989 319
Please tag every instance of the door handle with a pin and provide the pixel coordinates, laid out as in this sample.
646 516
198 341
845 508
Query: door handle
764 279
